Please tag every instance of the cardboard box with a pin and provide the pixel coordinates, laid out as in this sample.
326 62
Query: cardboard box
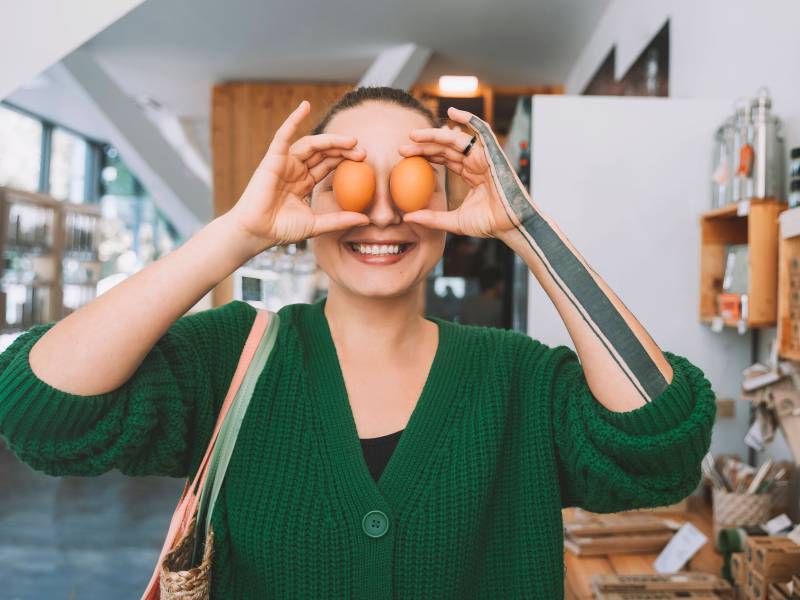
775 558
660 596
757 585
654 586
779 591
597 535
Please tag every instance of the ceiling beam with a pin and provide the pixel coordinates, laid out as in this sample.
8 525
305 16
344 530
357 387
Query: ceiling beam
38 34
397 67
183 197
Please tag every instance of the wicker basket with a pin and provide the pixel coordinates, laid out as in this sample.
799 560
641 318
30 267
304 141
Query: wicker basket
739 510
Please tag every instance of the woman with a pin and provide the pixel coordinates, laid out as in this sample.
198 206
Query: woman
497 431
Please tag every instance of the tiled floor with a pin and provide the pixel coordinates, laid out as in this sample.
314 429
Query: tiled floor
77 538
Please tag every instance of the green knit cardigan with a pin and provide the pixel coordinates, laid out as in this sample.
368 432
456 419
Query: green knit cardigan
504 434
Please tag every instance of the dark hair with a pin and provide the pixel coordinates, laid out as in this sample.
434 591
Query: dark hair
389 95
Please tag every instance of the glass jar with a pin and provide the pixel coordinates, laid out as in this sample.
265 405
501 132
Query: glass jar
723 165
767 174
794 164
794 193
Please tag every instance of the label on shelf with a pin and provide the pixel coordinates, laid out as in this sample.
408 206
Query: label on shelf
717 324
741 326
684 544
743 208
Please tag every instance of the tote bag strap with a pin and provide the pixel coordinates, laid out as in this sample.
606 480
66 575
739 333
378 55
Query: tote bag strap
187 504
263 321
229 430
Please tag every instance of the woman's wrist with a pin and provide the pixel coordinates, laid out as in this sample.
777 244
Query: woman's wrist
240 242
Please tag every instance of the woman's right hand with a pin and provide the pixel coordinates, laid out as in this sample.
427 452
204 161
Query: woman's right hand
272 210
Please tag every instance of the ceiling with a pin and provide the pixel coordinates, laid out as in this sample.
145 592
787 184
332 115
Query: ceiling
173 51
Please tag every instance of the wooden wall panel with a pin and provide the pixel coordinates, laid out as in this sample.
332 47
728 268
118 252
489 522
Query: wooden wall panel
244 118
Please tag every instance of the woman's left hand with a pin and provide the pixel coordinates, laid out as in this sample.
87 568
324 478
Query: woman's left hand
483 212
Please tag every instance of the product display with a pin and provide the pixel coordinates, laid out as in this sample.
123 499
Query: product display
660 587
721 179
794 193
748 159
794 165
51 265
597 535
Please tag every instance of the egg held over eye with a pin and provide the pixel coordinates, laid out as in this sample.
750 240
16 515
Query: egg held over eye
353 185
411 183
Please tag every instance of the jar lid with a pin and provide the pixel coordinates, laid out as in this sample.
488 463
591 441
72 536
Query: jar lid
795 152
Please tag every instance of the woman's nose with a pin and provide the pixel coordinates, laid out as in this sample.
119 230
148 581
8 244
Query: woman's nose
383 211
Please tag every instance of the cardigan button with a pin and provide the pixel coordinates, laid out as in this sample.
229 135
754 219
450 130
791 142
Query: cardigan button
375 523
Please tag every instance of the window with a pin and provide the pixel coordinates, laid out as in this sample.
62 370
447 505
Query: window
20 150
68 161
134 231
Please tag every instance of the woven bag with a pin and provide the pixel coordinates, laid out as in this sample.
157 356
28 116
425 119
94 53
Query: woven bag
739 510
178 574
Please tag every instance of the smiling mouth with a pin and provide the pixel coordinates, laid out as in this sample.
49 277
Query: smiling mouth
378 249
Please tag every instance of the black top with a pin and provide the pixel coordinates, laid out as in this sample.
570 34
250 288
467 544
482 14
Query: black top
378 450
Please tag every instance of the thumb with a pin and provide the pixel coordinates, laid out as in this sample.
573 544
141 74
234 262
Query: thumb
338 220
434 219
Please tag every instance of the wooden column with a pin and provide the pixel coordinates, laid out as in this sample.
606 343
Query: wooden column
244 118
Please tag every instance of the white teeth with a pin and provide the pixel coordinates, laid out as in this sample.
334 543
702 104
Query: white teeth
377 249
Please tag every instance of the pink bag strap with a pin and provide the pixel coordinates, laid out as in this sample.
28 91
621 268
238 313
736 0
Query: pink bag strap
187 505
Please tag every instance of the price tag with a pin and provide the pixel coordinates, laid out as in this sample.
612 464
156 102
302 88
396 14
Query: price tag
683 545
777 524
717 323
743 208
753 437
794 535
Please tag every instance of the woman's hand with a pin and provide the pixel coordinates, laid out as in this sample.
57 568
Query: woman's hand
486 169
273 208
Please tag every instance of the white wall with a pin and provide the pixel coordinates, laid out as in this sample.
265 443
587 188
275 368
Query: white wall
721 49
718 49
619 176
37 34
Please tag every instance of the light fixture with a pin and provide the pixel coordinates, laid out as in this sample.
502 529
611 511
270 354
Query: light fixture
458 84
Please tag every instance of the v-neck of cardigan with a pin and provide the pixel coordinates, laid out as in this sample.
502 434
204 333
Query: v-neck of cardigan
424 430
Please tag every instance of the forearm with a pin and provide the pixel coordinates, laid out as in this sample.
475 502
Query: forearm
98 347
624 367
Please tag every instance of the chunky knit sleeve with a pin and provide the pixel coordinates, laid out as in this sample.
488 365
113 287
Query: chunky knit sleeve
156 423
611 461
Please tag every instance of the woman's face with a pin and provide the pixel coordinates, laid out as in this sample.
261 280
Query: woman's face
381 128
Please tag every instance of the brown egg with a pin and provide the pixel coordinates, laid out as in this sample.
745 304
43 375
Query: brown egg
411 183
353 185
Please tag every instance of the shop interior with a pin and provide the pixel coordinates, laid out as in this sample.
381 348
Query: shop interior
662 136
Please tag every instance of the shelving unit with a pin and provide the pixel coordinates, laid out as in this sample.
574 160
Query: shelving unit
753 222
49 249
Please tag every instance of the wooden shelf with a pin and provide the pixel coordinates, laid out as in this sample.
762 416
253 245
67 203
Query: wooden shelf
789 286
52 250
753 222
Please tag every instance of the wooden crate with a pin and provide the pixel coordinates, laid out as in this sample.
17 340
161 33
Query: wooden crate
754 223
789 287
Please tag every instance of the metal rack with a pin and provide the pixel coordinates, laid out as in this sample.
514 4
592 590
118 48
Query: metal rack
50 261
